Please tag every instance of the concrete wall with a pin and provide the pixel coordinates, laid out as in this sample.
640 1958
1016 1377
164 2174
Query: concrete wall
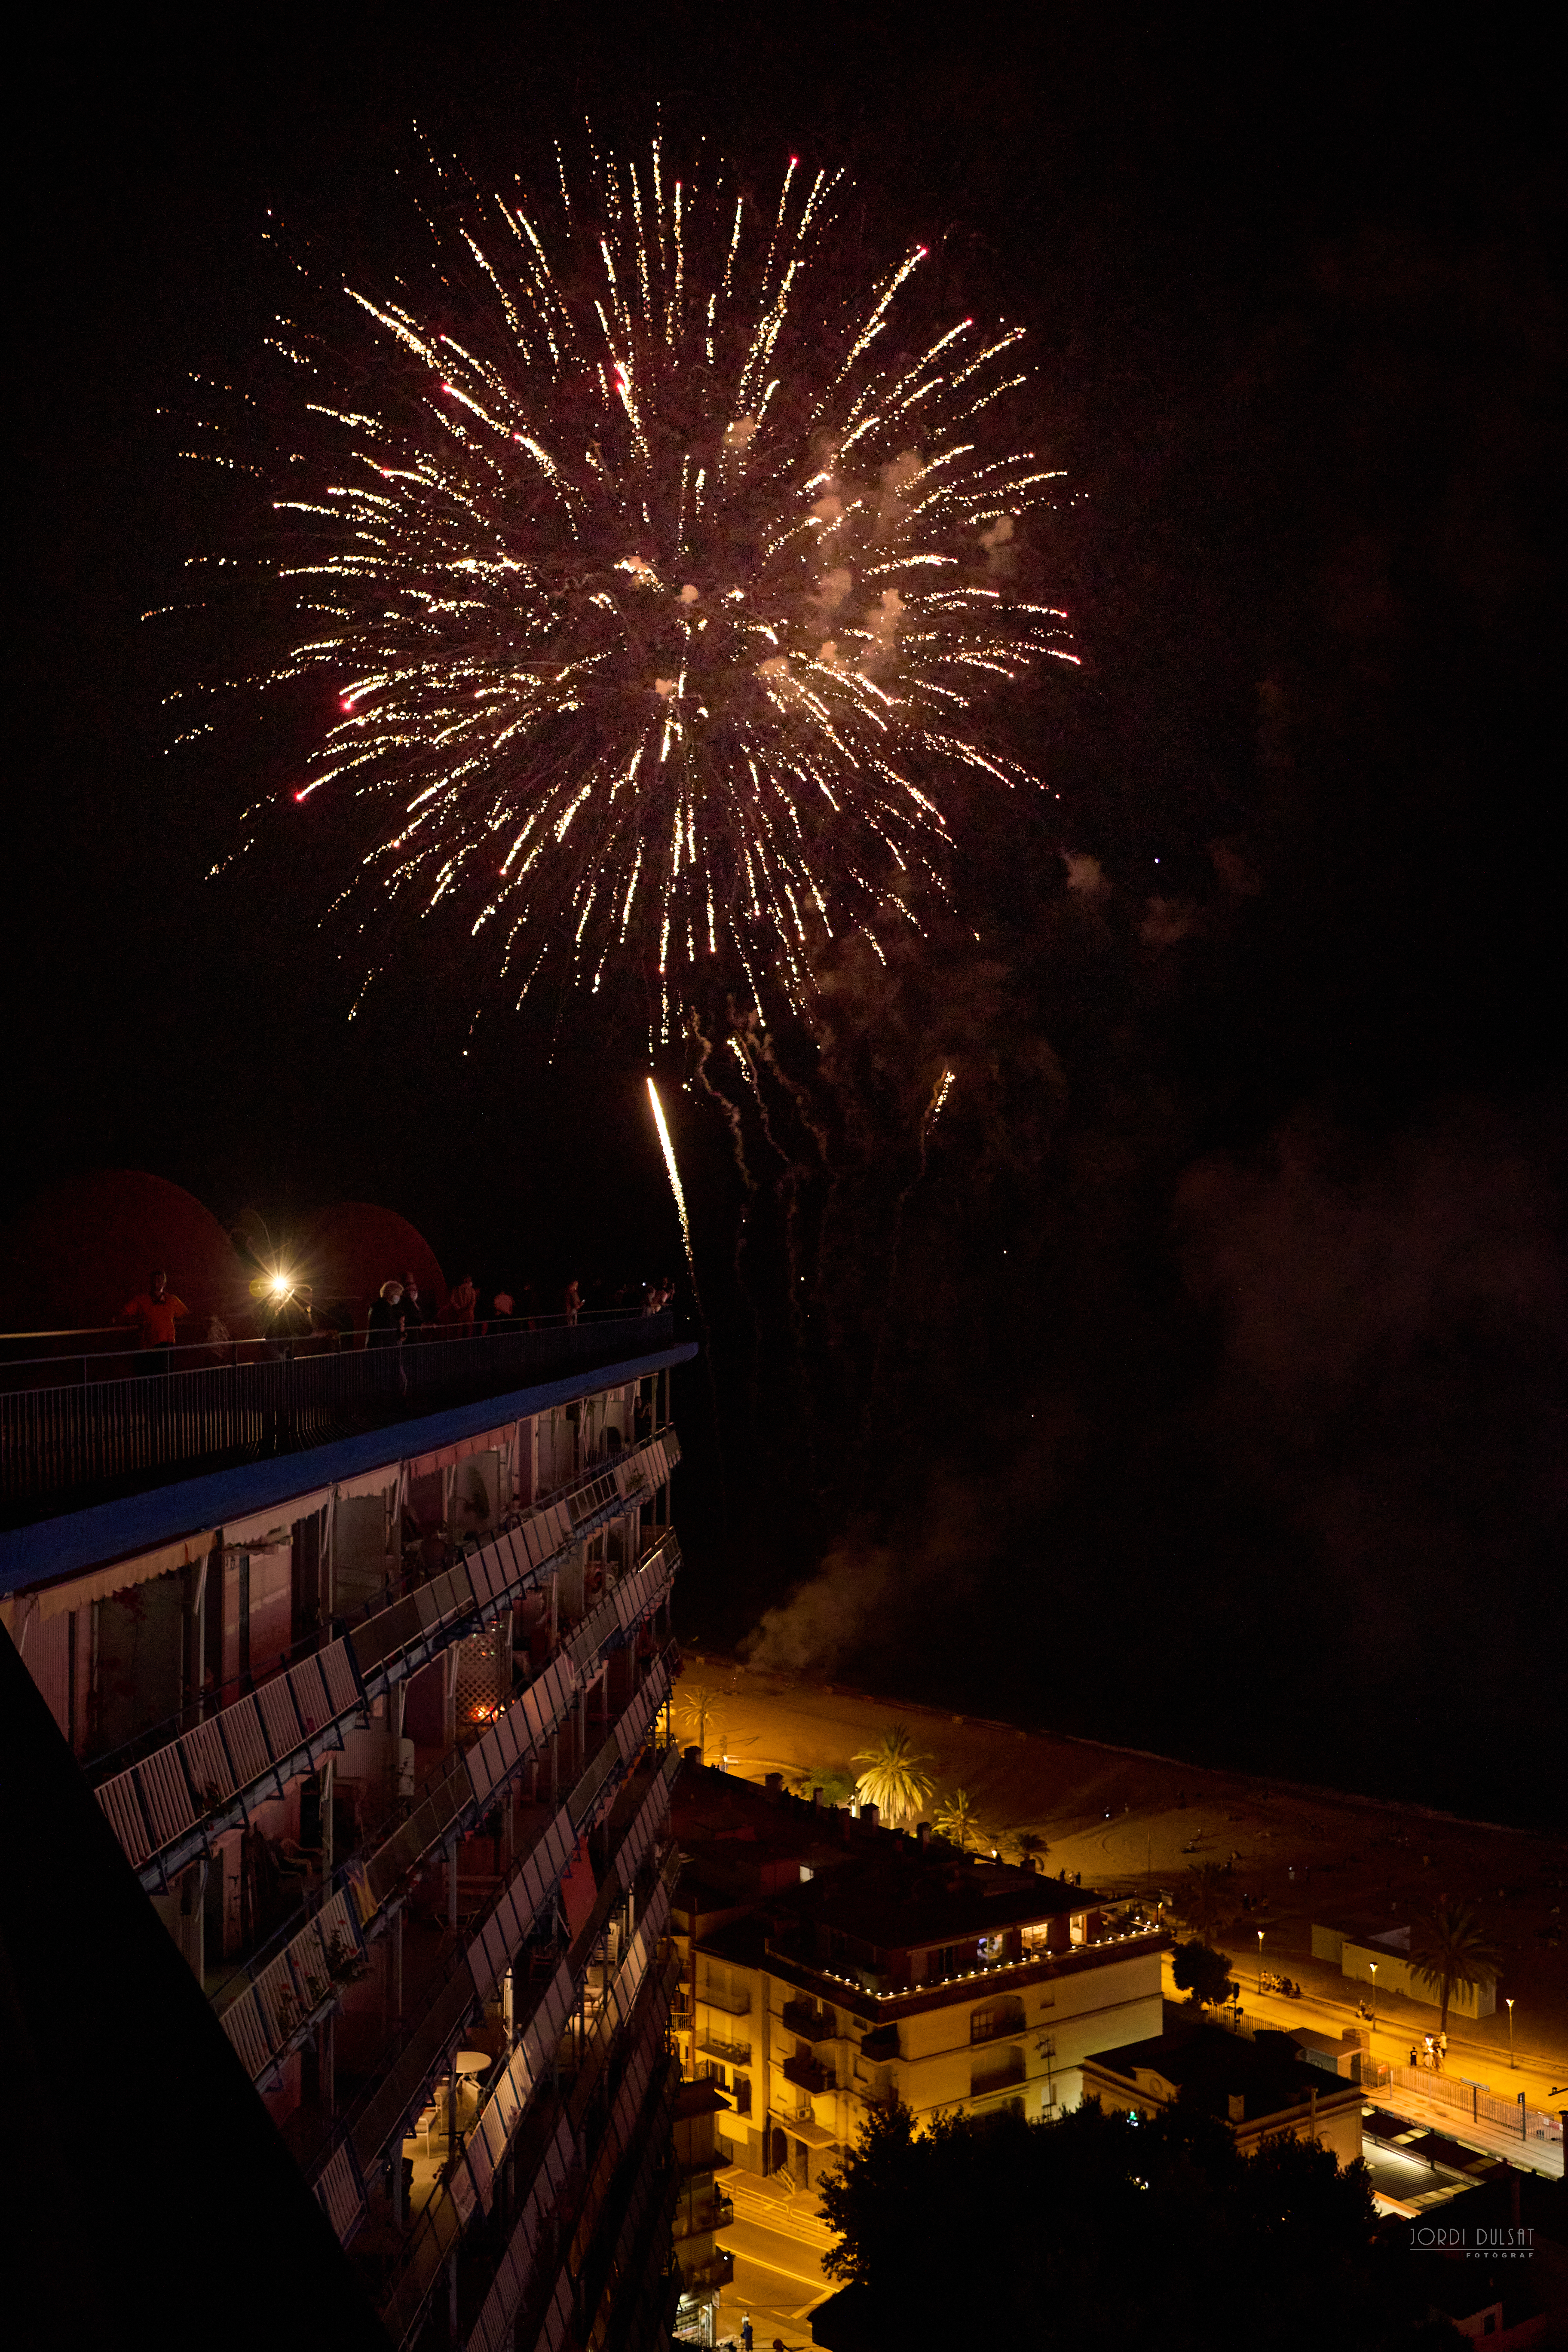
1394 1974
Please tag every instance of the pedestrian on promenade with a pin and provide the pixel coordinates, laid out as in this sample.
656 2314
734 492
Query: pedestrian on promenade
155 1311
413 1315
571 1300
745 2332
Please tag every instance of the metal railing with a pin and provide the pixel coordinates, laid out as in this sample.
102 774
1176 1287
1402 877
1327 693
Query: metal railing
809 2024
1476 2101
806 2075
167 1807
733 2004
469 2183
564 2185
423 2046
88 1426
300 1971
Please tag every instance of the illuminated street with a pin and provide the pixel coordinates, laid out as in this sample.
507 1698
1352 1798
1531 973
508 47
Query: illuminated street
1301 1851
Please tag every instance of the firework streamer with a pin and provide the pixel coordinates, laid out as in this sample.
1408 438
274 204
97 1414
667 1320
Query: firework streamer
794 1174
668 1147
732 1121
678 1191
659 604
731 1115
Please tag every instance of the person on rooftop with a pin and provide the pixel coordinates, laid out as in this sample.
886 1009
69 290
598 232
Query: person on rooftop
413 1315
461 1306
385 1328
155 1311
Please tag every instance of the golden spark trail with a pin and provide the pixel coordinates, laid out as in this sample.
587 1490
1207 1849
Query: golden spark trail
675 1184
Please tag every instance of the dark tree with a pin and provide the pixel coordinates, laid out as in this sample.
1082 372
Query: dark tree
1202 1973
1099 2229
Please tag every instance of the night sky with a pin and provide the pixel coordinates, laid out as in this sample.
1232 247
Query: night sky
1206 1393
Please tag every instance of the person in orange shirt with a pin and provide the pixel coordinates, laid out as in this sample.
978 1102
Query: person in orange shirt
155 1311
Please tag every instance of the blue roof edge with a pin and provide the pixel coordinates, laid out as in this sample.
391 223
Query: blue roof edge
51 1549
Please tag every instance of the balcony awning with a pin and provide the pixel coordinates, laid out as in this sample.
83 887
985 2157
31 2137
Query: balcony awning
804 2127
443 1457
271 1530
77 1591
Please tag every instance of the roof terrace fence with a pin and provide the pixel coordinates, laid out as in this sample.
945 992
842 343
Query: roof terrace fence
88 1426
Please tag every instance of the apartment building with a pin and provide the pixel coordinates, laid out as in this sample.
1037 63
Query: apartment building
1260 2086
701 2210
366 1660
830 1965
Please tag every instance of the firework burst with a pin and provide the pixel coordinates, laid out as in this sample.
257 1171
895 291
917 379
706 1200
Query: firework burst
660 608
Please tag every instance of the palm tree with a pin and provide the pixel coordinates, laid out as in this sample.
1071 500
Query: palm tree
1026 1845
956 1818
1449 1946
892 1780
1210 1903
695 1706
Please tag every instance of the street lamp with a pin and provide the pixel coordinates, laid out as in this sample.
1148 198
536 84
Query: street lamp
1260 1960
1509 1998
1372 1963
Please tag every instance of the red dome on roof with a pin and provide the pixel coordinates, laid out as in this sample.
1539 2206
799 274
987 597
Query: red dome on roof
77 1252
348 1251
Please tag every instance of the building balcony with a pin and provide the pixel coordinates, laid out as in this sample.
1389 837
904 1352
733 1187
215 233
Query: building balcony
716 2214
733 2004
718 2271
806 2075
190 1785
881 2043
535 2070
1002 2071
88 1428
729 2053
439 2007
807 2023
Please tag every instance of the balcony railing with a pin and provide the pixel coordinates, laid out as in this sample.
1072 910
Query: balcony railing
733 2004
806 2075
1002 2071
730 2053
470 2183
85 1428
717 2215
631 2043
811 2024
282 1989
718 2271
424 2046
167 1808
424 2041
